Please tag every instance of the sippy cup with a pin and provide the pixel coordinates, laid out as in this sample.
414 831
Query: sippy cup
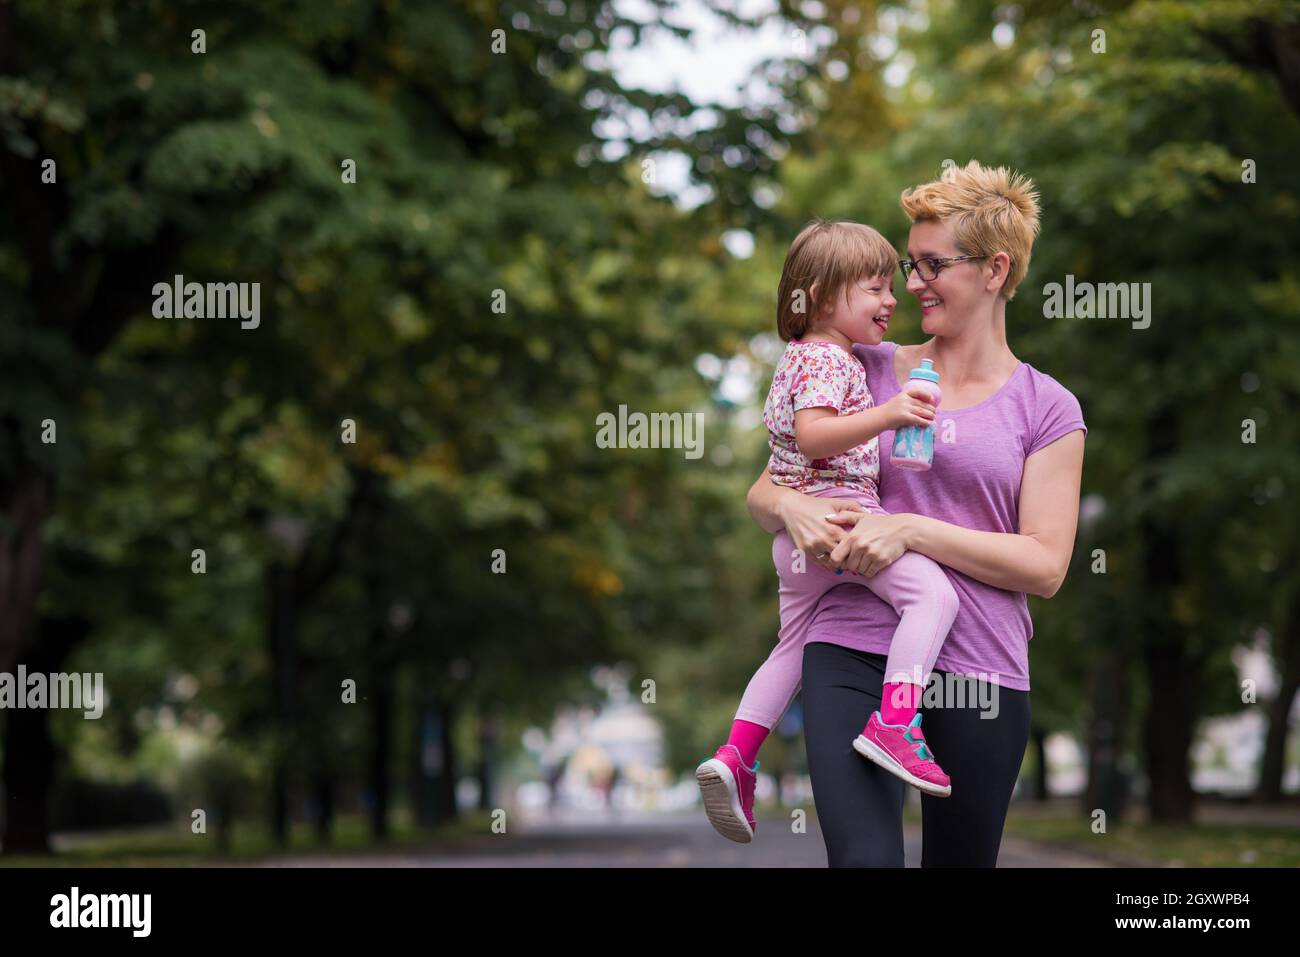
914 444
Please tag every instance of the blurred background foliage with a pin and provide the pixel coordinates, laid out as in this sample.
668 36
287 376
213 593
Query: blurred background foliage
525 175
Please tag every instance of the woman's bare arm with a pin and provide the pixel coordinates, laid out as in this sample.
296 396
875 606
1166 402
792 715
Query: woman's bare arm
1033 561
764 502
1036 559
814 524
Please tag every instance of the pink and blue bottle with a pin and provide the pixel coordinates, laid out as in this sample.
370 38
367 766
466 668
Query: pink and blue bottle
914 445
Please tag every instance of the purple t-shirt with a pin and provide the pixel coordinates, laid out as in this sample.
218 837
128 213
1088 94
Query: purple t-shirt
979 456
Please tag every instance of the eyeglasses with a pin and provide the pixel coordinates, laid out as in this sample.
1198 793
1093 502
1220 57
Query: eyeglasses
929 268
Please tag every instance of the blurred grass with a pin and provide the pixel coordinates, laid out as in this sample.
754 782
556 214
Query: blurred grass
1136 843
177 847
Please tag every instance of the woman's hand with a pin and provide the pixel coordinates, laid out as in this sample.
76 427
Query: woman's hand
874 542
817 525
912 406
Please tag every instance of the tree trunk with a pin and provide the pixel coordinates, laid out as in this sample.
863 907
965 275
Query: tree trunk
429 759
325 807
488 735
1040 763
283 634
1108 787
1173 676
447 780
381 751
1273 766
29 772
25 505
1173 681
378 654
225 824
29 749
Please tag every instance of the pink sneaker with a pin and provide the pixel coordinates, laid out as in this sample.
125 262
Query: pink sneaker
727 787
901 750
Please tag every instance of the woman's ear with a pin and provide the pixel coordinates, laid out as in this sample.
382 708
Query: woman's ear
1000 266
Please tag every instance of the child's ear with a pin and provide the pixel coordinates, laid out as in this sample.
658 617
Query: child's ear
817 308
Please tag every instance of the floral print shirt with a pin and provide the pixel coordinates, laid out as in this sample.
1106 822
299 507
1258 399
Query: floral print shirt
809 375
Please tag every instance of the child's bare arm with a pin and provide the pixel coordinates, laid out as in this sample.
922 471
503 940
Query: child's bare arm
821 433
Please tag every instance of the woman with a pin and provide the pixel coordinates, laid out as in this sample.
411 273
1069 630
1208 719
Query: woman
998 510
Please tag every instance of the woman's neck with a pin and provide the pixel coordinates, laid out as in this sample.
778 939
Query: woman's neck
978 354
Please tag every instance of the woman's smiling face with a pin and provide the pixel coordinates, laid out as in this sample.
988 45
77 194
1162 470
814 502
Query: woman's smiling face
950 299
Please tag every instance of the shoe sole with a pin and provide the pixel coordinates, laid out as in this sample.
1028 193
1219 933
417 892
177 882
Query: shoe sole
878 755
722 802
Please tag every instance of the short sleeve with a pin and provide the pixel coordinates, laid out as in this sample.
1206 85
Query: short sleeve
878 364
1057 413
822 380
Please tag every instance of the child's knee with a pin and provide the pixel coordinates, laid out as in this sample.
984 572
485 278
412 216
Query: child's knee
944 598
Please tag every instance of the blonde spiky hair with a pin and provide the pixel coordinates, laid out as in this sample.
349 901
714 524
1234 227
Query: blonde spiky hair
990 211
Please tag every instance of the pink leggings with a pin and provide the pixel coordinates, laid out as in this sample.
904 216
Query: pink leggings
914 586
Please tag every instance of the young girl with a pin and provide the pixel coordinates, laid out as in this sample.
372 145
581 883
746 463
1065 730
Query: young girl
835 290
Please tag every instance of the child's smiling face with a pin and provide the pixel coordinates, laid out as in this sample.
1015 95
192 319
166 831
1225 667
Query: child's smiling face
863 310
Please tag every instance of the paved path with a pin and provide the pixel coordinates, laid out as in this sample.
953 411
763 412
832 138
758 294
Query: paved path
663 841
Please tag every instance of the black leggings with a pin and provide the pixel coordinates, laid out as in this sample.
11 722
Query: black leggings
860 806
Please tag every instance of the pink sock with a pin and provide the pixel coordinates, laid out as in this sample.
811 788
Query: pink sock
898 701
748 738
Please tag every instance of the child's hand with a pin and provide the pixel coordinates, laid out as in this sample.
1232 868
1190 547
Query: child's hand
910 407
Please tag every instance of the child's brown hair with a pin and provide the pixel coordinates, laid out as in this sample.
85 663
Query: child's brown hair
831 254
